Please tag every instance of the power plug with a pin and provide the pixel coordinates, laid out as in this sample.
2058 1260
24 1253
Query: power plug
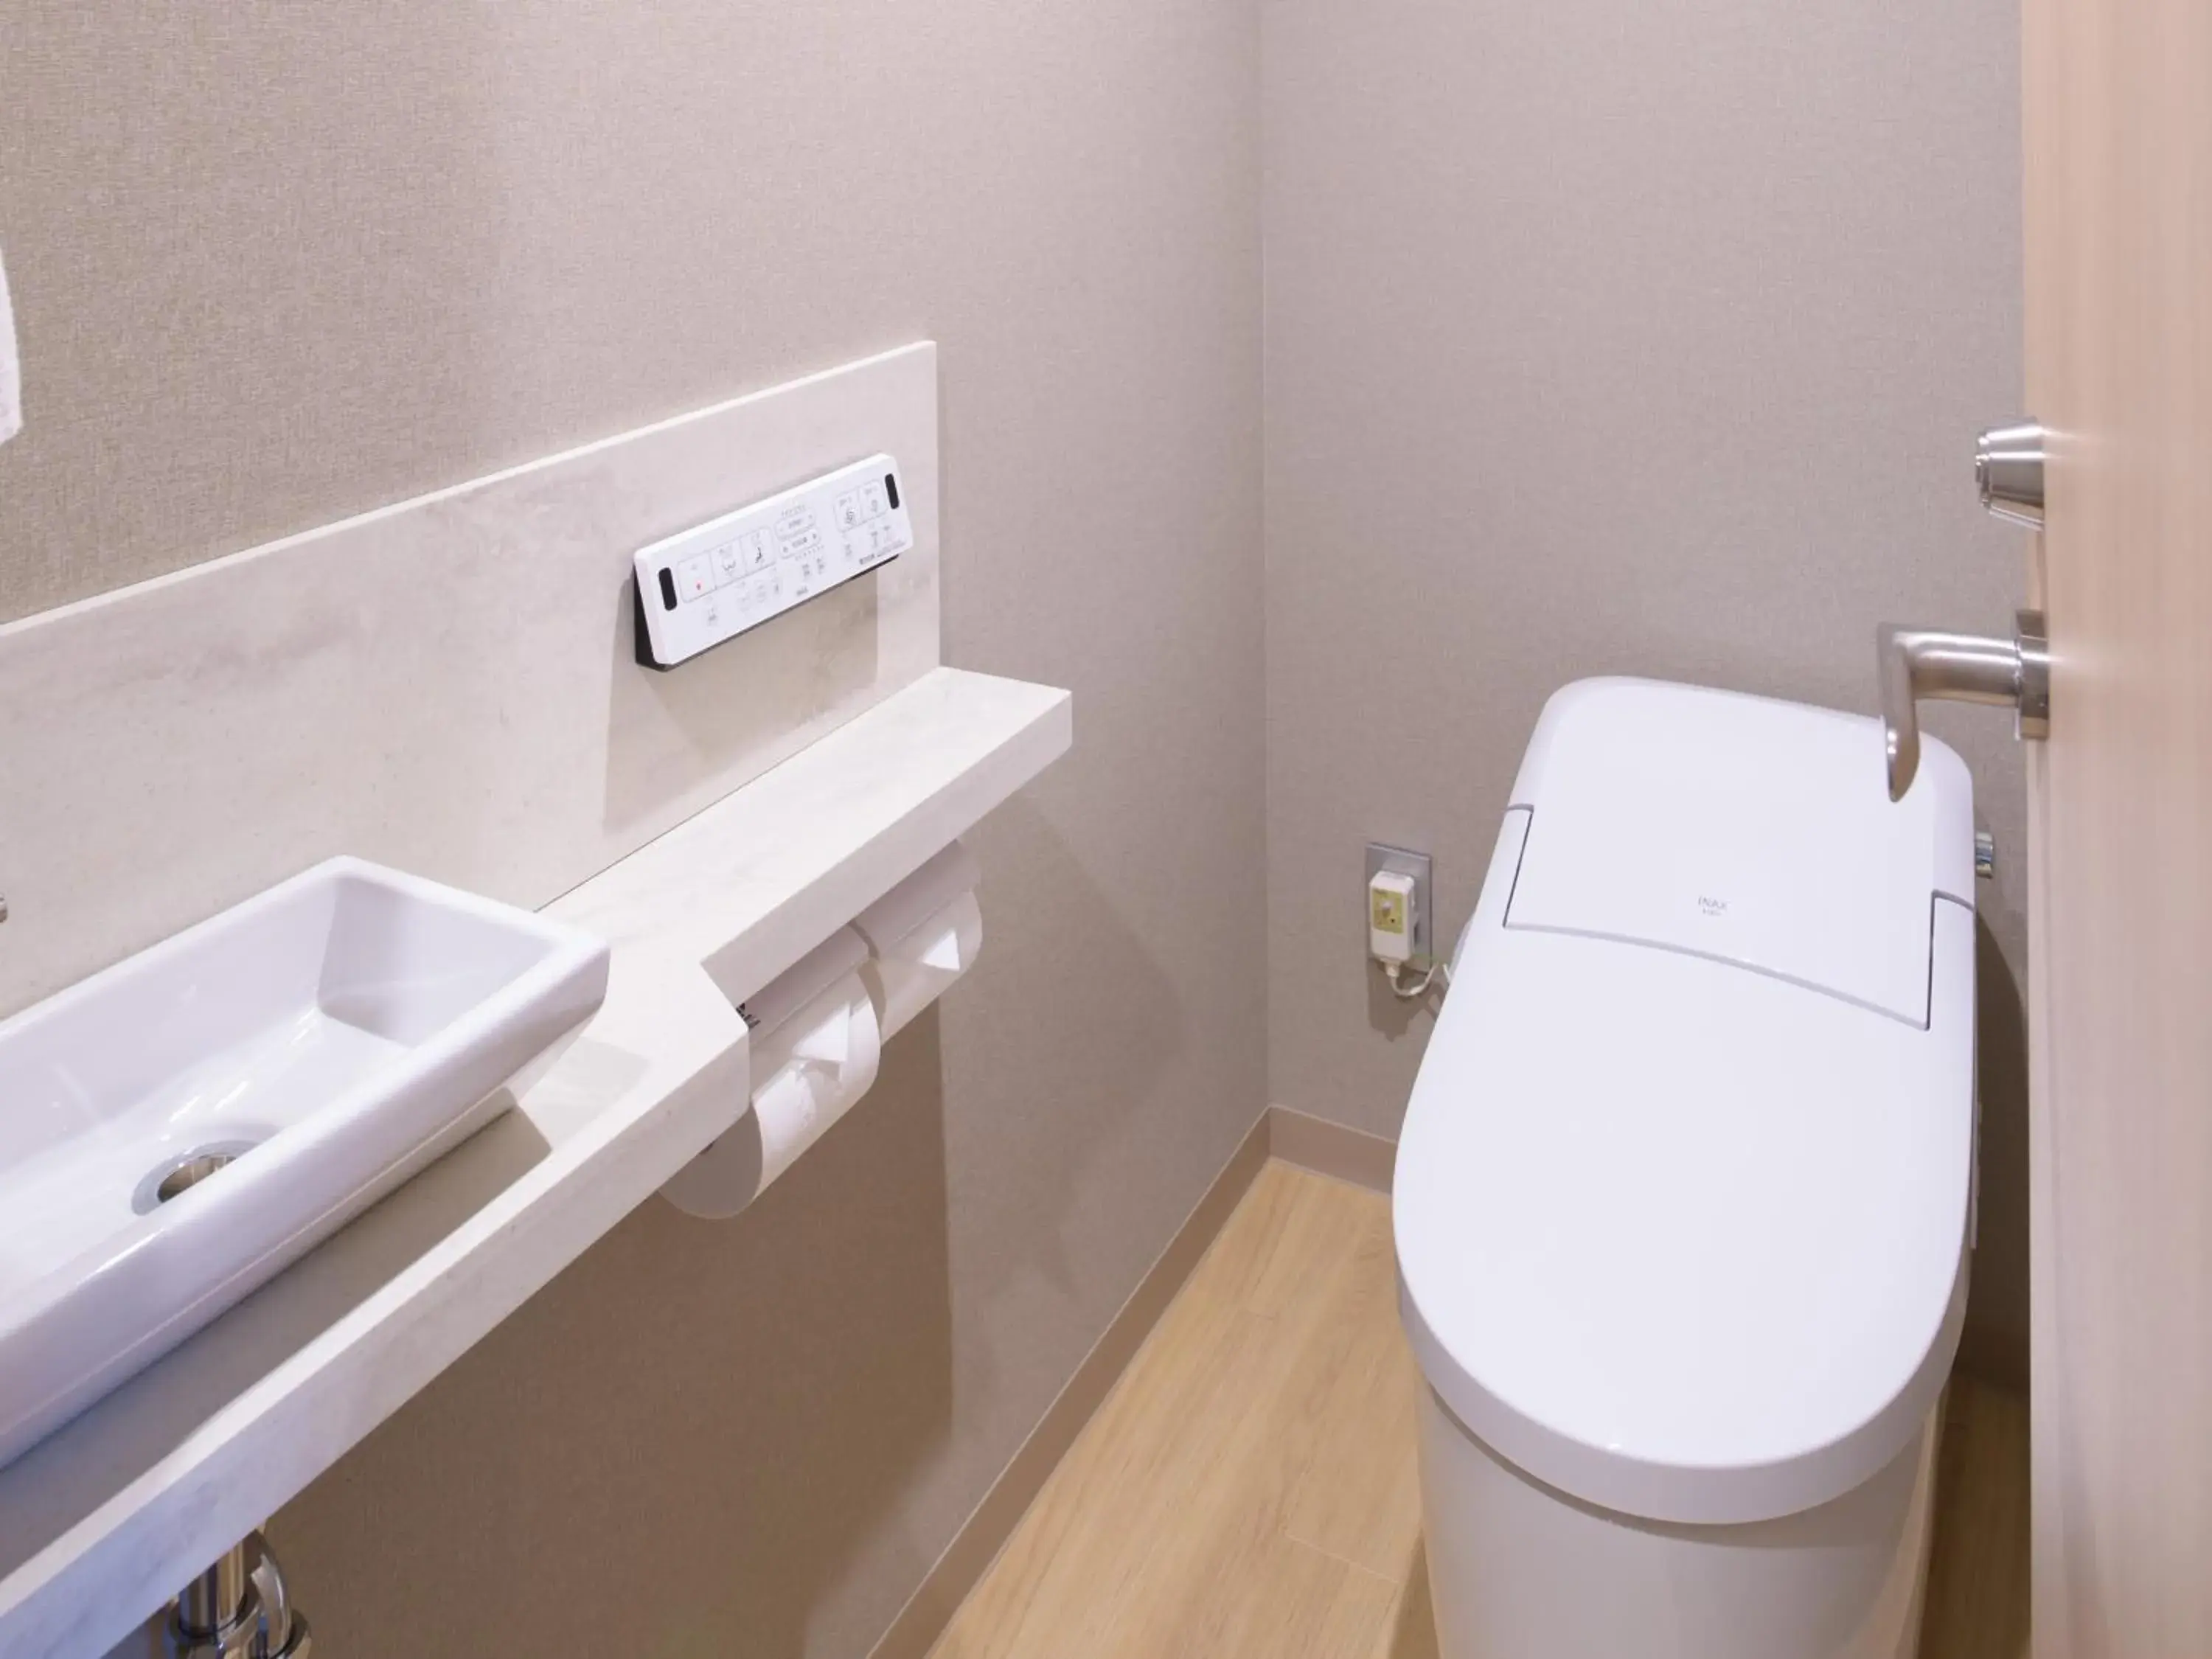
1392 897
1400 901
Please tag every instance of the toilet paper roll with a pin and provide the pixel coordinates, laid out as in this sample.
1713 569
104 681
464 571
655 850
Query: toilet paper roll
807 1071
833 1066
913 971
11 372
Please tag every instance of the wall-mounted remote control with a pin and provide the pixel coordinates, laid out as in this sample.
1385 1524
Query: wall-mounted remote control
705 585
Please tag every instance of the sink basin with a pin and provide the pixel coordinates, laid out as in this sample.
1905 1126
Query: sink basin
177 1127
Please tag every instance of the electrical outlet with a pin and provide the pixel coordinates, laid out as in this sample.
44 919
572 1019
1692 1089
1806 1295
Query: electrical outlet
1420 945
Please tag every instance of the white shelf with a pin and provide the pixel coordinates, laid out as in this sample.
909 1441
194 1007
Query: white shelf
102 1522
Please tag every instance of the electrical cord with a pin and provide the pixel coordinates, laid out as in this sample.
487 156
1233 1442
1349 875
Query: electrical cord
1396 972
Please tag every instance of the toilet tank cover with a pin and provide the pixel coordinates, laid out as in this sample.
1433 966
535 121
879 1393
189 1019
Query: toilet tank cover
1742 828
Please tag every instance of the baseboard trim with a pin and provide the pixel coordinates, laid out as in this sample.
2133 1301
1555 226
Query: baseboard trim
985 1533
1331 1149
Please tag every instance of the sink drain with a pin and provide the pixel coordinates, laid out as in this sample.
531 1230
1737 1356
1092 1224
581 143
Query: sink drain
167 1180
191 1173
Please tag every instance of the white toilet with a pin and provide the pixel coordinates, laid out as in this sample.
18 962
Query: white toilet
1684 1196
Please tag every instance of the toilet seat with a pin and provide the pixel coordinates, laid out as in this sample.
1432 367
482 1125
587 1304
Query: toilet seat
1679 1234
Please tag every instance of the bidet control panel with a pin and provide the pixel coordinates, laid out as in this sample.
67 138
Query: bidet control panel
705 585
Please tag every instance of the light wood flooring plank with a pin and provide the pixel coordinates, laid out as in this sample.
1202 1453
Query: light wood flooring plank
1977 1581
1412 1630
1166 1507
1359 1496
1221 1557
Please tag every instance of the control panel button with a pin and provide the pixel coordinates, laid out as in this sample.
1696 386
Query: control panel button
695 577
729 564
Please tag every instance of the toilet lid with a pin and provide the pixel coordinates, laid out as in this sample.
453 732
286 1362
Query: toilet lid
1679 1236
1740 828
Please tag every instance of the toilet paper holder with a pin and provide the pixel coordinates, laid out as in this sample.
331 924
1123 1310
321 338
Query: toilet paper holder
816 1032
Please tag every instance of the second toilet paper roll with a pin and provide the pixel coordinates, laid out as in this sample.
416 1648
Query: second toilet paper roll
922 935
912 972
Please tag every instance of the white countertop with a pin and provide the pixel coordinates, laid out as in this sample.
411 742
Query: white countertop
101 1523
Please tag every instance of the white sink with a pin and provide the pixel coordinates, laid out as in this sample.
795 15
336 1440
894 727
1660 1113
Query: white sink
177 1128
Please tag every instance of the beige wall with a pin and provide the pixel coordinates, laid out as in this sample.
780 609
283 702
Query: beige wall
1607 338
276 264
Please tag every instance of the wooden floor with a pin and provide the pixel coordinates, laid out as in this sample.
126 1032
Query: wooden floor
1248 1487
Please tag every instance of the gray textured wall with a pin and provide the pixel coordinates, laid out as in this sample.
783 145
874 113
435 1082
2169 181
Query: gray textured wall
1617 338
276 264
